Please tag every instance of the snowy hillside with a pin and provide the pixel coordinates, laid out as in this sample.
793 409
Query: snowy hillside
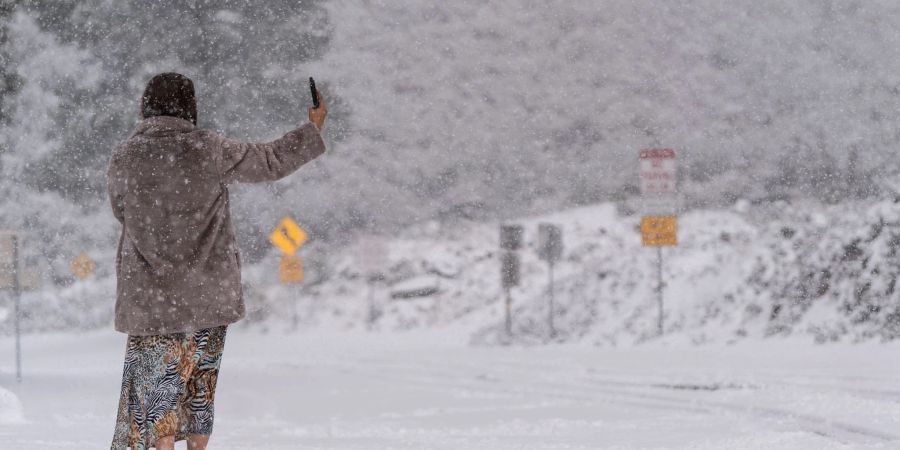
826 273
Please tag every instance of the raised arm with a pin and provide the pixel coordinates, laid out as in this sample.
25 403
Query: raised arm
251 163
244 162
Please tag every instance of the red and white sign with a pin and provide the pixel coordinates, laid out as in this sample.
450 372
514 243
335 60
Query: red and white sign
657 172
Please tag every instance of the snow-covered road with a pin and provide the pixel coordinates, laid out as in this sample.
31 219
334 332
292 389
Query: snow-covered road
430 391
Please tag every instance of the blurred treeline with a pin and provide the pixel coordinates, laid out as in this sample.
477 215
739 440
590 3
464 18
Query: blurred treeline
474 109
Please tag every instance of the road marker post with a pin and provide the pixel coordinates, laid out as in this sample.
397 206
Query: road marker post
10 253
659 225
510 270
83 267
374 255
289 237
550 249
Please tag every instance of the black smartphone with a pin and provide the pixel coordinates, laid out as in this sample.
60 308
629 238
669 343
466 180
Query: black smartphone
313 92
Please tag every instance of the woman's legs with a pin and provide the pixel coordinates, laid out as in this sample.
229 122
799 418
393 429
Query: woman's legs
202 388
194 442
165 443
197 441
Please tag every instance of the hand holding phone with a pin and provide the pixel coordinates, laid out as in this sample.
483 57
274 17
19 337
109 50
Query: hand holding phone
318 112
314 92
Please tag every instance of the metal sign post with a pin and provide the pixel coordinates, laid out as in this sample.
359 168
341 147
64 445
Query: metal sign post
17 299
82 267
551 309
10 278
374 256
370 301
16 277
510 279
510 242
289 237
290 272
659 232
550 248
659 290
659 226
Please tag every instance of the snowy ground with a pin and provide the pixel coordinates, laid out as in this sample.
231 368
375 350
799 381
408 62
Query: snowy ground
432 391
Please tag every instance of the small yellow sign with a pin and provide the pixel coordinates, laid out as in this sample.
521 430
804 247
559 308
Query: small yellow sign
288 236
290 270
83 266
659 231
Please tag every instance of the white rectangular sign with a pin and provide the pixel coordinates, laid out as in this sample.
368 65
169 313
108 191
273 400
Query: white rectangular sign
658 171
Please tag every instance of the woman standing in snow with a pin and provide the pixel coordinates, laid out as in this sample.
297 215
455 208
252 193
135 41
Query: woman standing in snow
178 268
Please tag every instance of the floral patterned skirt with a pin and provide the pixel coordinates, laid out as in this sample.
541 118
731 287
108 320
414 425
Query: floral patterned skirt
168 386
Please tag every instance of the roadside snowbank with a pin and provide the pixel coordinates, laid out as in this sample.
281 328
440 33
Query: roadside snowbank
11 412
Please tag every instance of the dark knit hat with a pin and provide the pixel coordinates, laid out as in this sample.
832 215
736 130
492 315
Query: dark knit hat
170 94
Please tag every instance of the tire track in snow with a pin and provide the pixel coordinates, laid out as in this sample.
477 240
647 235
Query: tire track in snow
588 389
848 433
814 422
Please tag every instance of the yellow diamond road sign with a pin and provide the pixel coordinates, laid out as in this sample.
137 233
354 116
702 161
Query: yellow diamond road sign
83 266
288 236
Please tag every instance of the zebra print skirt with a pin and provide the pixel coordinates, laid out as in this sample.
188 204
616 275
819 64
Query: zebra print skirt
168 386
